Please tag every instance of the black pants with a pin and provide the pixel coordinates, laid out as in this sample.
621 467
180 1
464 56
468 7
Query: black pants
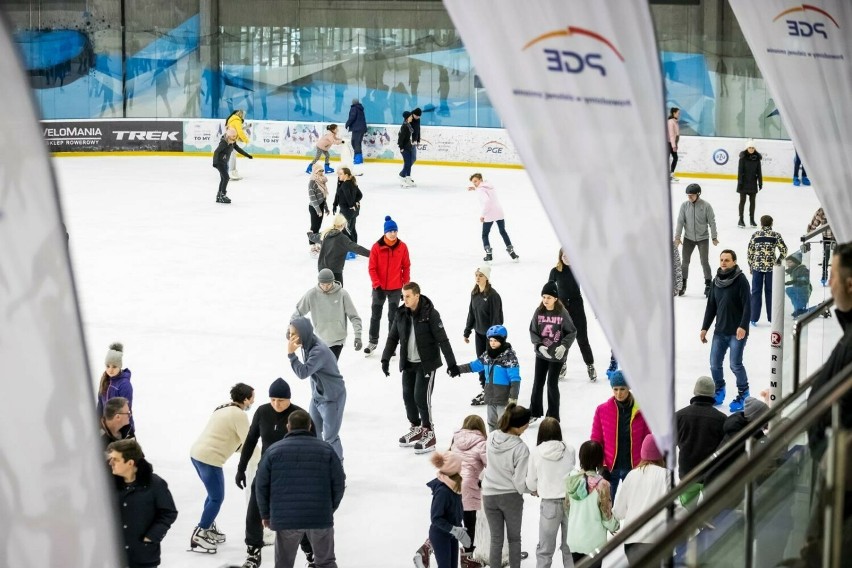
752 197
703 255
379 295
673 153
480 341
351 216
577 557
417 387
338 277
549 371
578 316
254 526
634 552
316 221
336 349
224 178
470 527
357 137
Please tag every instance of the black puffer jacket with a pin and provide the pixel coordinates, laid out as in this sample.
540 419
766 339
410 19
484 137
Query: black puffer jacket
699 432
429 333
147 510
750 176
335 245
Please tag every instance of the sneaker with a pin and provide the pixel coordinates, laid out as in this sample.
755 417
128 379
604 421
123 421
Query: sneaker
796 182
738 403
223 199
805 180
426 443
421 557
328 169
720 397
593 376
414 434
370 348
253 560
217 536
563 371
201 541
478 400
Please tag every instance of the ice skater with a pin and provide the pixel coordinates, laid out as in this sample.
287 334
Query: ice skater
492 212
221 156
323 145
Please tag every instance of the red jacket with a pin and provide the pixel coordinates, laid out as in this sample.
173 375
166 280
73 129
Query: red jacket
390 267
605 431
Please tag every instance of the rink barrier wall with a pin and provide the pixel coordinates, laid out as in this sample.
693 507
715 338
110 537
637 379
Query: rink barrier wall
698 156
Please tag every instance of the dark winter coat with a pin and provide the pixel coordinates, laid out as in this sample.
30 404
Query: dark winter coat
447 511
147 510
119 385
335 245
415 129
485 310
569 289
551 329
347 197
107 438
390 265
404 138
357 121
223 153
299 483
429 333
699 432
749 175
734 424
729 302
267 425
840 357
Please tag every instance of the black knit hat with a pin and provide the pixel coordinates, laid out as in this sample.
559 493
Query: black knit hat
550 289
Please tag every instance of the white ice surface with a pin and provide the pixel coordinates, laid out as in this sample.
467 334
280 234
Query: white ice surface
201 293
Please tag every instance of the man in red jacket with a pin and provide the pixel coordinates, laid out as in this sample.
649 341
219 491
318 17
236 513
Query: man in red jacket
390 269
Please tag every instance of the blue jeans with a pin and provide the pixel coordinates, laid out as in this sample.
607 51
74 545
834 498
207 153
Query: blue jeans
799 296
761 283
501 226
616 476
407 162
214 481
722 343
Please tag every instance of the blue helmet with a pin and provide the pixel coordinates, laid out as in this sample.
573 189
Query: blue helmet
496 331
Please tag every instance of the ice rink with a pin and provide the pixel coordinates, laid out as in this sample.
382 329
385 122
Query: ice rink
201 295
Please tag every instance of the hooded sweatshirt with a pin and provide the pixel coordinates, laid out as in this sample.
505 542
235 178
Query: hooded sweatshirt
329 312
508 461
589 511
550 464
320 365
470 445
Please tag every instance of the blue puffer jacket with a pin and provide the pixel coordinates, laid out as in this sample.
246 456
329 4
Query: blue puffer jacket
502 374
300 483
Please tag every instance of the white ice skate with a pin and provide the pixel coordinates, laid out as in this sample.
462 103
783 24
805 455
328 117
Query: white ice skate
409 182
235 175
347 158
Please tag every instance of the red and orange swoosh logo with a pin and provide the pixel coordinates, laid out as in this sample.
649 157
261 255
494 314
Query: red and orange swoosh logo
807 7
571 30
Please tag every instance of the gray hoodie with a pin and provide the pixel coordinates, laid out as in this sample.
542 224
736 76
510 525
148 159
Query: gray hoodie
320 365
329 311
693 220
508 459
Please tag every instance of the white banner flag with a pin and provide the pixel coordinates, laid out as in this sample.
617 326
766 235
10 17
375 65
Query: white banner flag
56 501
804 52
578 85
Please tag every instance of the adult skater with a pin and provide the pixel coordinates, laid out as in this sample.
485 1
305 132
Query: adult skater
348 200
390 269
485 310
421 337
749 180
730 305
674 137
115 422
406 147
828 241
335 246
797 166
235 120
323 145
694 219
330 306
221 156
761 260
415 132
269 424
328 391
115 381
492 212
357 125
318 204
571 297
222 437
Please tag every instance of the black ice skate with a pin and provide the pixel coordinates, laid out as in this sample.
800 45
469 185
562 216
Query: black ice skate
511 250
253 560
222 198
201 541
488 257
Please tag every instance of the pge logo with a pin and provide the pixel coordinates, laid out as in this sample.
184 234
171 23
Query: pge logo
775 339
567 61
494 147
721 157
802 28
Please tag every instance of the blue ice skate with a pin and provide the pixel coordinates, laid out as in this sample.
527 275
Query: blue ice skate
329 169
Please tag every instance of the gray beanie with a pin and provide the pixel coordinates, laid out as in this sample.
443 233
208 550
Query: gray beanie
704 386
325 276
753 408
114 354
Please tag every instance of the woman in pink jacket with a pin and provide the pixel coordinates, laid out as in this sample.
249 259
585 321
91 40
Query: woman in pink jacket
492 213
323 146
674 138
620 428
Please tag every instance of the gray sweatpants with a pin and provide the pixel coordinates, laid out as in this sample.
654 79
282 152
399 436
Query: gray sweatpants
703 251
327 418
322 541
495 411
504 514
552 519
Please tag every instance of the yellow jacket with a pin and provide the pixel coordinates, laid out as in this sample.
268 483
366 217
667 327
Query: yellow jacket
235 122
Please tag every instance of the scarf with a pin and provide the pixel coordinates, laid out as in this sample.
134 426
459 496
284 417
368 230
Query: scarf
725 278
319 177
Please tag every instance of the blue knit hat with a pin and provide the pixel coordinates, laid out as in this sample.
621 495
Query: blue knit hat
616 379
390 224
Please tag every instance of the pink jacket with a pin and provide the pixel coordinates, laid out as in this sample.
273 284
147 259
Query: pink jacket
470 445
605 431
327 139
674 133
491 209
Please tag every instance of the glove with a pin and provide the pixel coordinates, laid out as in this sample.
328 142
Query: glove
241 479
386 367
250 157
461 535
453 371
513 401
325 209
544 352
559 352
358 344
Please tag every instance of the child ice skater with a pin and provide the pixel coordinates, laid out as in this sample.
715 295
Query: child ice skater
492 212
797 284
323 145
445 532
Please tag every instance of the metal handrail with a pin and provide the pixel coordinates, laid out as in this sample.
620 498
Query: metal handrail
797 336
733 479
818 231
700 471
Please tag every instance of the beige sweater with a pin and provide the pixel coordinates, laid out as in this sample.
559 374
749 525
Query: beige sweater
223 436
